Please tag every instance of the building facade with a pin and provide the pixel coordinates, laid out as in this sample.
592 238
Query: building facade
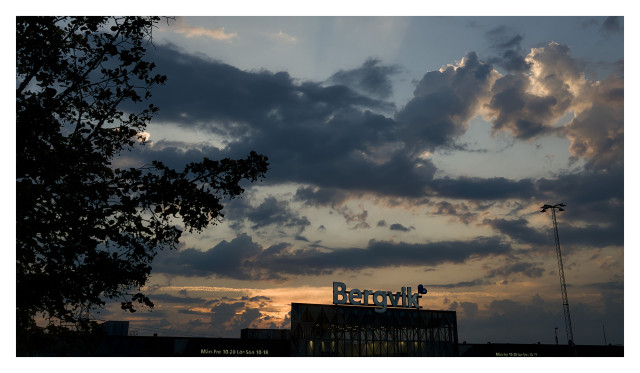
337 330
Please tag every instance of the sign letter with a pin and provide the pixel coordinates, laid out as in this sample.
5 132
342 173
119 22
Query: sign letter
339 289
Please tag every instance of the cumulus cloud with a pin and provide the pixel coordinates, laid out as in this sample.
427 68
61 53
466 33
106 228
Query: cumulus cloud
524 114
443 103
597 132
337 142
530 103
313 134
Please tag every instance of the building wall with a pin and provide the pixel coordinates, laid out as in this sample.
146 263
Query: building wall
329 330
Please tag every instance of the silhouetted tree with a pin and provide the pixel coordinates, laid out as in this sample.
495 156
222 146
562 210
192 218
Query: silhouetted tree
86 231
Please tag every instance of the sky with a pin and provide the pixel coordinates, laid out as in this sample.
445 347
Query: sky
403 151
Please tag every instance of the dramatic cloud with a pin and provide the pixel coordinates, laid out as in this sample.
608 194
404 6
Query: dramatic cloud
272 211
377 255
371 78
348 164
337 142
312 134
597 132
520 231
243 259
524 114
443 103
225 259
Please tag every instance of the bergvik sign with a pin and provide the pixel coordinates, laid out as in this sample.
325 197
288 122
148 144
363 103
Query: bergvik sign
381 299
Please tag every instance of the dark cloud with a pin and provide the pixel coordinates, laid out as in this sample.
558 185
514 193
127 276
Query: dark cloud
586 188
243 259
174 154
597 133
462 284
444 101
522 113
525 268
230 318
461 211
168 298
535 320
475 188
591 235
498 35
400 227
354 219
503 323
607 286
572 233
226 259
512 61
508 46
371 78
594 215
470 309
520 231
273 211
191 312
257 298
328 136
313 196
384 254
611 25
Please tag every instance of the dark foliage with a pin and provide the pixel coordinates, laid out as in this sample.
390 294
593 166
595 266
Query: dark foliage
87 232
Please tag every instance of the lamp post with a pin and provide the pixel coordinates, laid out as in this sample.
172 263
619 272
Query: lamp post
563 286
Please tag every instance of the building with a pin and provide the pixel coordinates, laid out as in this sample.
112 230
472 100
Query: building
337 330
